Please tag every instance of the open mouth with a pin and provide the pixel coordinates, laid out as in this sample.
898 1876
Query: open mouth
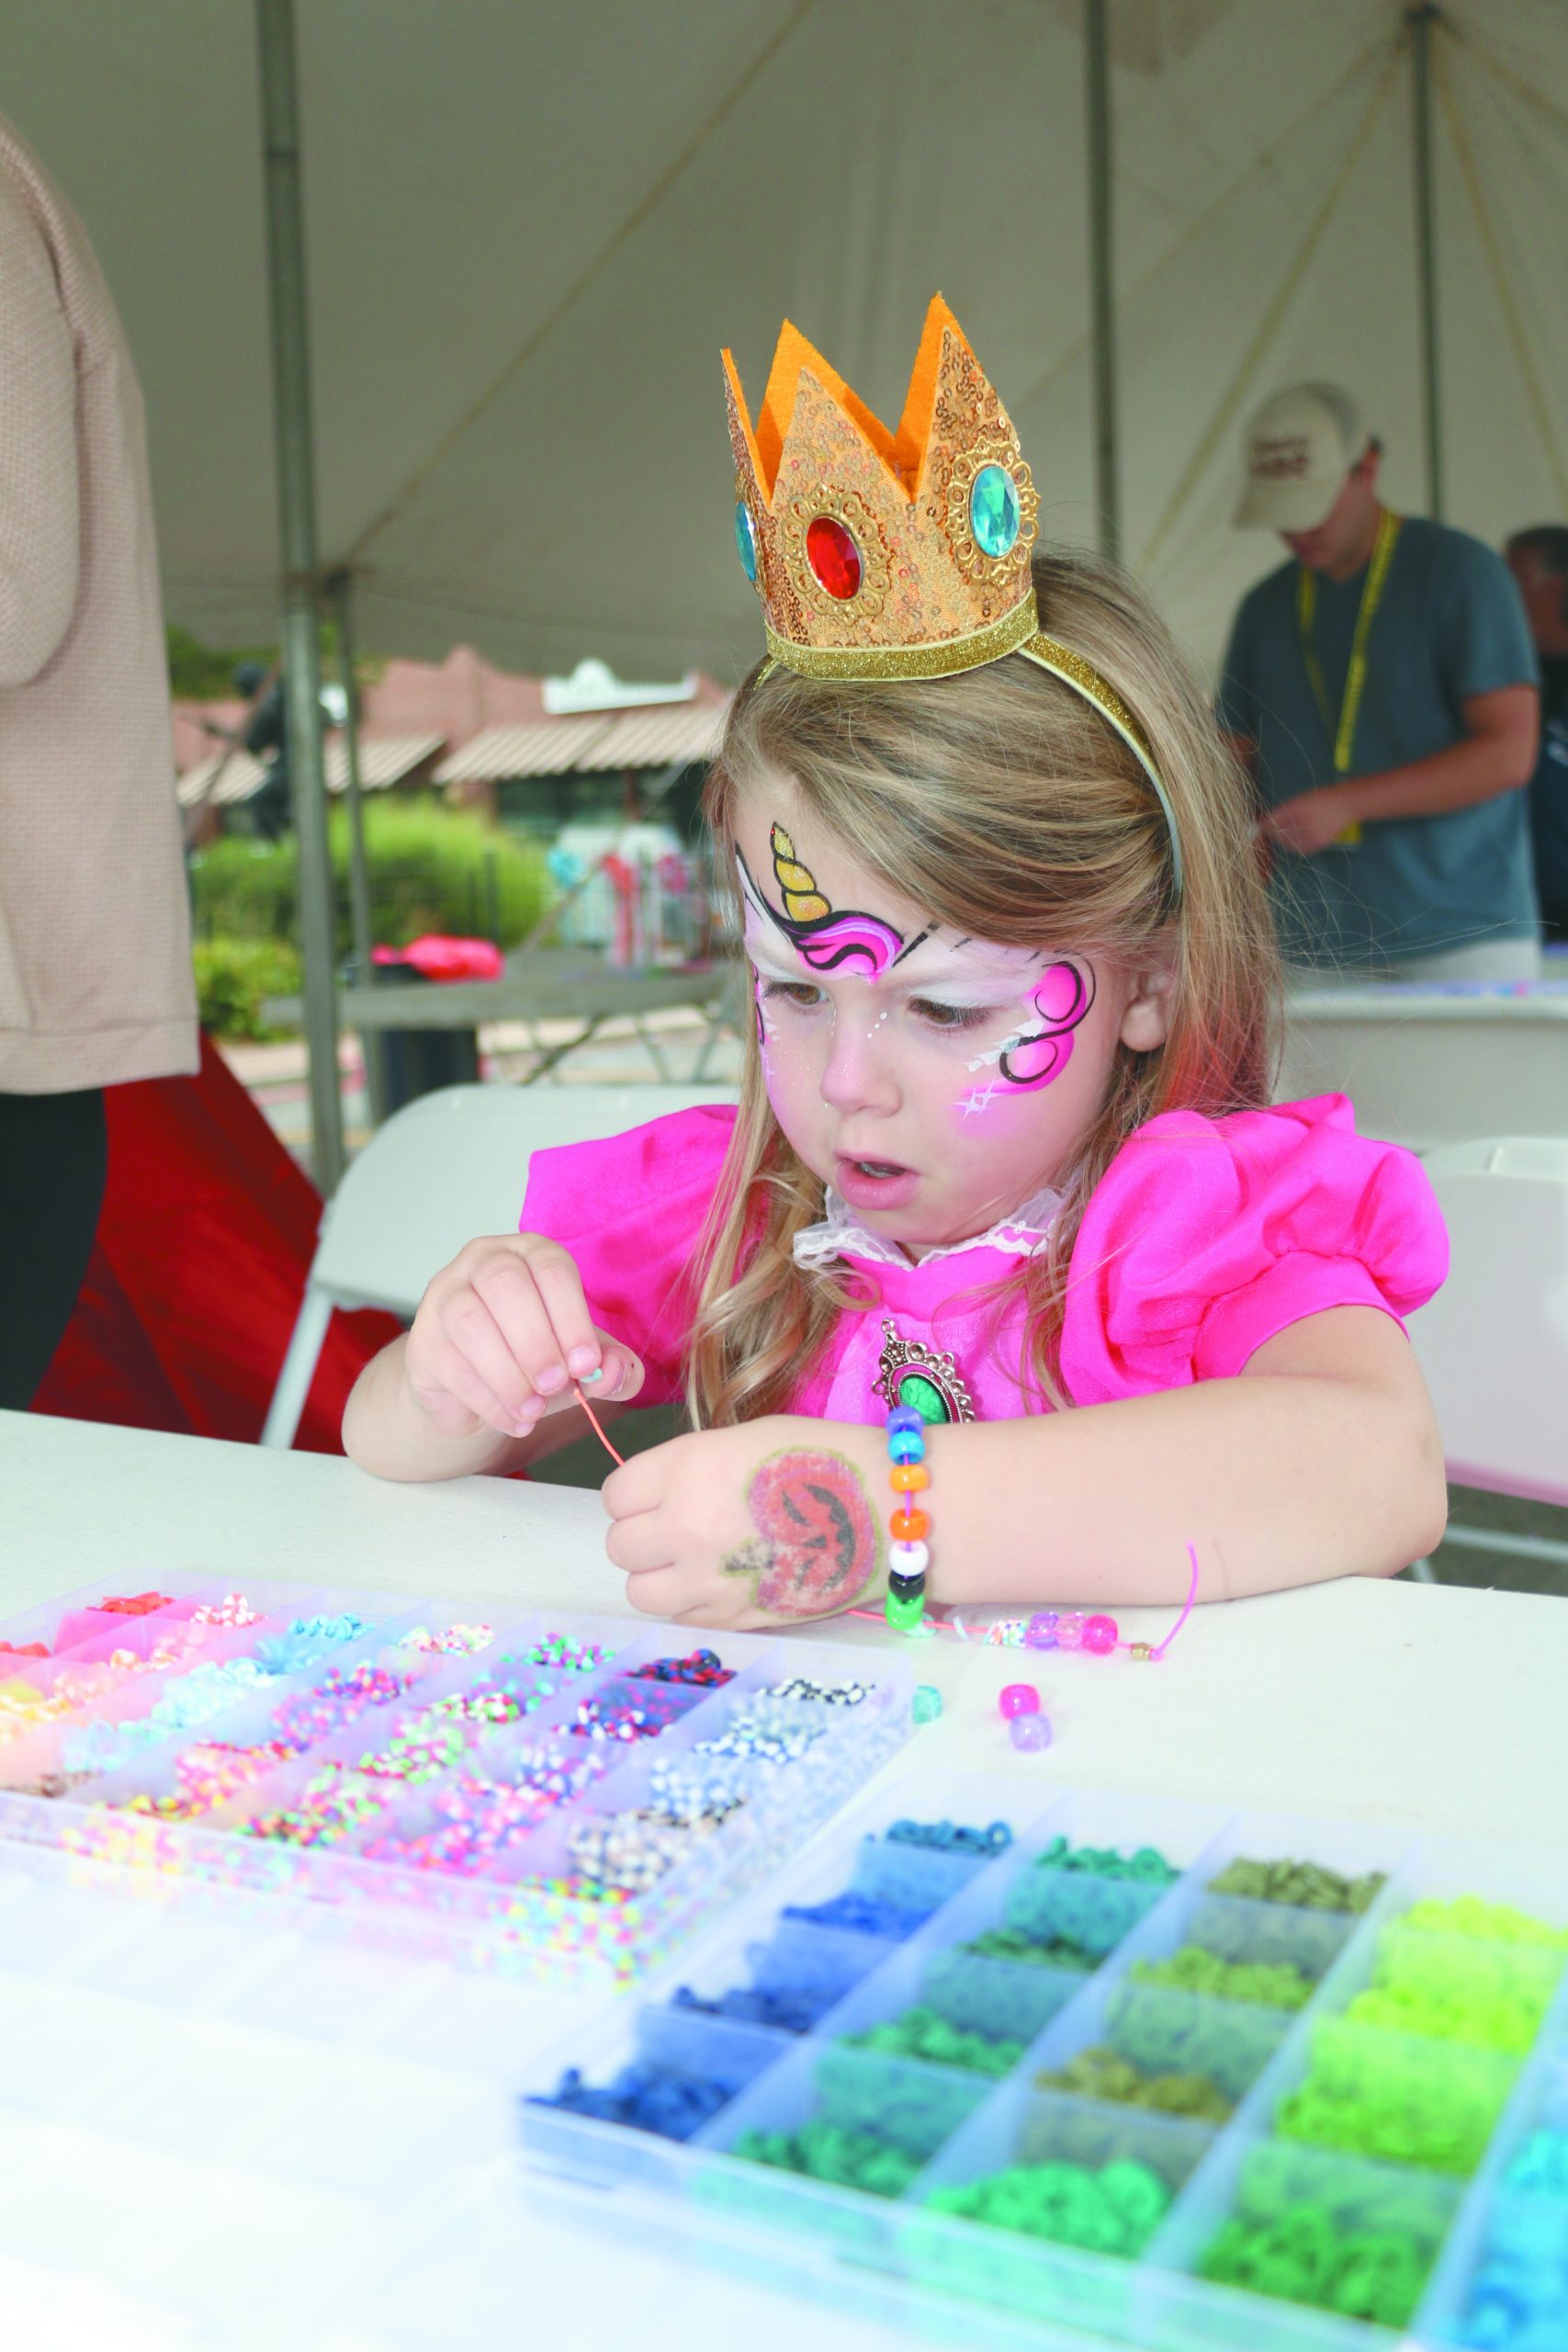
874 1184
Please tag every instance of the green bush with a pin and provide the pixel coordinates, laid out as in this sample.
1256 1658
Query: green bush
232 975
431 868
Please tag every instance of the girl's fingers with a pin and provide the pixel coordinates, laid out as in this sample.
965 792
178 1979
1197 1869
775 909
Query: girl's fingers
622 1374
449 1372
639 1547
512 1288
658 1592
559 1286
470 1330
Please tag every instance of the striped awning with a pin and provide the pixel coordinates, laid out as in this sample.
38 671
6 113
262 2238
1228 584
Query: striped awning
658 738
548 746
229 776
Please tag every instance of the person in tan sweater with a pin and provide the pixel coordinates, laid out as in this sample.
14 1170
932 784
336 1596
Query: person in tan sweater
95 986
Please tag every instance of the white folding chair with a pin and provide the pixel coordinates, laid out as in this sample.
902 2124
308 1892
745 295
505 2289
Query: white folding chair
452 1165
1494 1343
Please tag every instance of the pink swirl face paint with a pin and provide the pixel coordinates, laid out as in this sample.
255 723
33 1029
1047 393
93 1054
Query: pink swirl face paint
1062 1000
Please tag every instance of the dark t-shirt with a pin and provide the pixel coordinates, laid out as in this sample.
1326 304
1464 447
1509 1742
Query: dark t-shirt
1549 794
1450 625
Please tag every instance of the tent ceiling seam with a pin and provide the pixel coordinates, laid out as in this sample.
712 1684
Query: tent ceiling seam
1513 319
1231 399
1199 226
573 294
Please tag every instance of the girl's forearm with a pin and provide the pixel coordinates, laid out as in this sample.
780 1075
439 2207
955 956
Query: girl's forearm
1275 1481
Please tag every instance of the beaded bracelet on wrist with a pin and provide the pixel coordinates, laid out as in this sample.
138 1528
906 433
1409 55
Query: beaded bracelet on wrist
909 1557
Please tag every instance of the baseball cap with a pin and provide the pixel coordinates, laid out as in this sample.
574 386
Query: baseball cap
1300 447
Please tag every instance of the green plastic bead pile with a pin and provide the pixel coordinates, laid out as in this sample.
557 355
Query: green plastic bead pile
924 2033
1494 1995
1270 1984
1307 1886
823 2151
1417 2068
1114 2209
1407 2101
1012 1943
1101 2073
1334 2236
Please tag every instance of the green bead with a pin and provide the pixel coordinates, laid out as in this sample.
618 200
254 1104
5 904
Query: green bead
923 1396
905 1616
926 1705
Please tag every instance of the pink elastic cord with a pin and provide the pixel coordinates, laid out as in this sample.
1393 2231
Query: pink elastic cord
577 1392
1160 1648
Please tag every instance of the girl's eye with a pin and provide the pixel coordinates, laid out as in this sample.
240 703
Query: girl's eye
799 992
948 1016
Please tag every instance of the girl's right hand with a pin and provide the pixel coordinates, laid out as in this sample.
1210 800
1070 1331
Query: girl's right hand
501 1335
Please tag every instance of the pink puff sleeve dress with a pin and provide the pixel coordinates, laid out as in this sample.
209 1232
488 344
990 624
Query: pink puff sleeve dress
1204 1238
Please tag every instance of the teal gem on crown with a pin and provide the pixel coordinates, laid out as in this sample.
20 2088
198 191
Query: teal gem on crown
745 540
993 512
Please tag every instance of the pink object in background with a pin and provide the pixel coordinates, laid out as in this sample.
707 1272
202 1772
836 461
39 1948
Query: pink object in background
438 958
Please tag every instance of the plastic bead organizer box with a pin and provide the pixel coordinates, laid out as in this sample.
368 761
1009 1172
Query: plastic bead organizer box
557 1795
1015 2071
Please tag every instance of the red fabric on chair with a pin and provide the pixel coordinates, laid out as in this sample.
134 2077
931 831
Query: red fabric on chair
205 1238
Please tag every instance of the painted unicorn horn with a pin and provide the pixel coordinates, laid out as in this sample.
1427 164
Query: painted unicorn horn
802 899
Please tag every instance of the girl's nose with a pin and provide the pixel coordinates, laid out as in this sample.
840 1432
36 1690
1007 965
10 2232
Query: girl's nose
858 1074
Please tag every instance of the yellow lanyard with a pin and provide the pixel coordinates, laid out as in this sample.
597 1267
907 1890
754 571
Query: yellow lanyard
1343 735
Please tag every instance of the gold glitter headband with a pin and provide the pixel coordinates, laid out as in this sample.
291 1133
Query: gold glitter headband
880 556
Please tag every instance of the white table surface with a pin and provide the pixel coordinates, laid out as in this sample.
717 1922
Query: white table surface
1431 1708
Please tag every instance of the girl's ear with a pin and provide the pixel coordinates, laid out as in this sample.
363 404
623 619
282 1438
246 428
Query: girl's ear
1145 1016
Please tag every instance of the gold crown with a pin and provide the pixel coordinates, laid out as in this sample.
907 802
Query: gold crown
879 554
900 555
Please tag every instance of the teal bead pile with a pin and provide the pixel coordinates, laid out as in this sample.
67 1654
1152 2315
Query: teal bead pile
1087 1897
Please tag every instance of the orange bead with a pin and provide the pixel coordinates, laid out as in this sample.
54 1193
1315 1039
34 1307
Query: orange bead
908 1478
910 1526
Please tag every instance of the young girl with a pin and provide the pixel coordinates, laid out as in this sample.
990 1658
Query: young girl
1004 1156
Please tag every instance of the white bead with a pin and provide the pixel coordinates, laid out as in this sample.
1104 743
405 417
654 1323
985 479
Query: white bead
910 1559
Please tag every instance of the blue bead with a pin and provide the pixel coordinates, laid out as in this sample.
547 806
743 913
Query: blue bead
993 512
904 1417
745 540
907 1445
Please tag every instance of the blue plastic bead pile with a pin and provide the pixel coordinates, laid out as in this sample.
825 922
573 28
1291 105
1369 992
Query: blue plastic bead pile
952 1837
786 2009
1541 2168
861 1913
645 2098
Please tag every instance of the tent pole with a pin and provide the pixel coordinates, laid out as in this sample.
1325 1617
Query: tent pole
296 534
340 588
1421 20
1102 325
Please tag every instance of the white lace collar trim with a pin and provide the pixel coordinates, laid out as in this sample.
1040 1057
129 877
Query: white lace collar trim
842 1235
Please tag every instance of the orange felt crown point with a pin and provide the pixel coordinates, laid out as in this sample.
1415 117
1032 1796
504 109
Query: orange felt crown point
879 554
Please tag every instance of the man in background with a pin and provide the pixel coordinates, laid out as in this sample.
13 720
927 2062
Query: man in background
1380 689
1539 561
96 983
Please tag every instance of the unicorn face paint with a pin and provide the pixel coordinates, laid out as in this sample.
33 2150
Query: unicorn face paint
935 1081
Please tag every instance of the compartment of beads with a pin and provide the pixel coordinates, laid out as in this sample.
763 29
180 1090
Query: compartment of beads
1214 2134
557 1792
1044 2203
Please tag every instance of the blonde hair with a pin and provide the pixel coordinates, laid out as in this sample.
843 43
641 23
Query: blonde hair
1004 807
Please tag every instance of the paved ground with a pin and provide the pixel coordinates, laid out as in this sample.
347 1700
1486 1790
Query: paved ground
276 1077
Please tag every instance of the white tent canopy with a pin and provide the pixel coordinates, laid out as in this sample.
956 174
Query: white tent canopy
530 228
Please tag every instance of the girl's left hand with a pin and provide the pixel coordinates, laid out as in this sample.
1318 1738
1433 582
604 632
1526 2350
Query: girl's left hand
766 1524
